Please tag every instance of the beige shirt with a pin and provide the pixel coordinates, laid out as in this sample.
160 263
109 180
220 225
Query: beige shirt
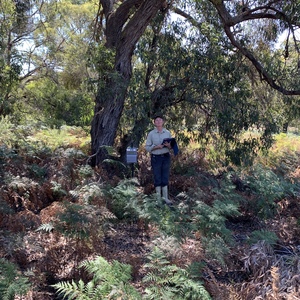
155 138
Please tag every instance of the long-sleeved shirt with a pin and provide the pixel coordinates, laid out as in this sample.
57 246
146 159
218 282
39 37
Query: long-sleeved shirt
155 138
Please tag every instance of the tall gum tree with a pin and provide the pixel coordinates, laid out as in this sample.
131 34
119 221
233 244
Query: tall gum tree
125 24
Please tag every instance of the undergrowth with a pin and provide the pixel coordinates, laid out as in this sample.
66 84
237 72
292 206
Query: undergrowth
12 282
112 281
109 281
50 194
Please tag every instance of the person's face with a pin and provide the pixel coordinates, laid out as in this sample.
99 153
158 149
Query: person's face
158 122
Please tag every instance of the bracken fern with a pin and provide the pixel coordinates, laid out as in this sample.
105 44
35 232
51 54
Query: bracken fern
12 283
267 188
166 281
109 281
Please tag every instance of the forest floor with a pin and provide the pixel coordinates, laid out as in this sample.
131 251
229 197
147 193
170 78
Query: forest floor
130 243
250 271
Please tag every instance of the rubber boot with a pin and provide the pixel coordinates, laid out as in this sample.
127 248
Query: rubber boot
158 191
165 195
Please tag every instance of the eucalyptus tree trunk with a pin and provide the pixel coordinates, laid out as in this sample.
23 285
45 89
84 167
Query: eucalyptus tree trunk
124 27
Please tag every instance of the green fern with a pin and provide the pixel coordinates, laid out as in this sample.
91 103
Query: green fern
78 291
85 171
210 219
57 189
216 248
268 188
166 281
12 283
87 193
73 222
263 235
109 281
121 195
79 222
128 202
48 227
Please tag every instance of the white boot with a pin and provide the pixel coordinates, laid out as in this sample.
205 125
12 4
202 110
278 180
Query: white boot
158 191
165 195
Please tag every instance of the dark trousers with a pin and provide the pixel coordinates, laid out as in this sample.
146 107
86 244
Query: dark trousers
160 164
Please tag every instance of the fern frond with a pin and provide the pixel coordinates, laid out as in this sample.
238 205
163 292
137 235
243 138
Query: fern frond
78 291
48 227
87 193
216 248
96 267
168 281
109 280
263 235
11 282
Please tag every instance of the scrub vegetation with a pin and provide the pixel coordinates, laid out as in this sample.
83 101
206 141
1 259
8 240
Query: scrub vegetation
80 81
75 232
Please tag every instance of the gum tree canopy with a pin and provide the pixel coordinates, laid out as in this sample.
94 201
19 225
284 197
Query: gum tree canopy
124 22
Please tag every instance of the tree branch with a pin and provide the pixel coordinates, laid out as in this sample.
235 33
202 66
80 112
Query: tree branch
116 19
229 21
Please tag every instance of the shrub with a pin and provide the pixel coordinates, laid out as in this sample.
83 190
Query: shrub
109 281
121 195
268 237
166 281
267 188
12 283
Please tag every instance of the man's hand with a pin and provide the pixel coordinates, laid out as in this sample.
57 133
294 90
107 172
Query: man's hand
166 144
158 147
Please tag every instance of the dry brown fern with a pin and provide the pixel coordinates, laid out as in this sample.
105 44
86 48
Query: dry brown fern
273 276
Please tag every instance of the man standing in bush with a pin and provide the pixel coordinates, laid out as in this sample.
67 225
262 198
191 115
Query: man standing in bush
160 156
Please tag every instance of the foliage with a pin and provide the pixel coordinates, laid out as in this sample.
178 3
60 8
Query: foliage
11 28
34 140
170 221
267 188
283 157
18 183
85 223
121 195
216 248
13 135
189 216
151 209
55 61
65 136
263 235
203 213
58 105
170 245
73 222
87 193
5 208
210 220
46 227
109 281
166 281
12 282
202 103
57 189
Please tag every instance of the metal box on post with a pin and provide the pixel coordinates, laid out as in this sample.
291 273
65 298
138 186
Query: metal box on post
131 155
